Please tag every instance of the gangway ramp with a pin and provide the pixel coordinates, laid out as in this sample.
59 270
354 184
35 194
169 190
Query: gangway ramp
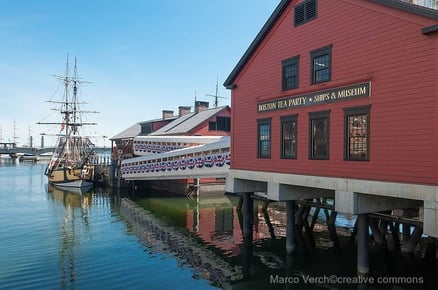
206 160
145 145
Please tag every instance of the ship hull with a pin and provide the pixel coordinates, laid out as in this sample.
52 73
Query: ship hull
74 184
69 178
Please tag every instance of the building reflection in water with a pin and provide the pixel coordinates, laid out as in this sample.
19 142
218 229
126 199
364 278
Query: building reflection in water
158 233
215 220
206 233
212 242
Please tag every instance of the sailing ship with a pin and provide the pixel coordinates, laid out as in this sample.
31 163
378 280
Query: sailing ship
69 166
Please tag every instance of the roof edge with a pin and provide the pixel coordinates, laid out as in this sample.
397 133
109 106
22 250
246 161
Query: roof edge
412 8
255 43
409 7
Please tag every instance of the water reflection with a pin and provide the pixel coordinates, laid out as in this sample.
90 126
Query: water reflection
159 235
206 233
58 239
212 242
76 205
215 221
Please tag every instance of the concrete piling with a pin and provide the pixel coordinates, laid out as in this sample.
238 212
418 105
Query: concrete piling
362 244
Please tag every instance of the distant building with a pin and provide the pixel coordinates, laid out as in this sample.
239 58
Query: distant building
203 121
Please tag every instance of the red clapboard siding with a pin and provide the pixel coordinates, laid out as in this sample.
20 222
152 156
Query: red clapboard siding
370 42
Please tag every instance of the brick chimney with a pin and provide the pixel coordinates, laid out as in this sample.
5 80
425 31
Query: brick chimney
183 110
167 114
200 106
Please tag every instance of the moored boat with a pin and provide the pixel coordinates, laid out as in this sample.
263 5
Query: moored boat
26 156
69 165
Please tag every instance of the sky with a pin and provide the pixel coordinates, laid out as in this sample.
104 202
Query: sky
139 57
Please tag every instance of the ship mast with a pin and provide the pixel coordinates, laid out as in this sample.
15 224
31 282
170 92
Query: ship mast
65 112
70 104
216 96
75 99
66 117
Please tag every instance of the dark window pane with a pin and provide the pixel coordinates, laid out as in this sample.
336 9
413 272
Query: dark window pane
288 132
321 68
321 65
320 139
290 73
223 124
264 146
319 135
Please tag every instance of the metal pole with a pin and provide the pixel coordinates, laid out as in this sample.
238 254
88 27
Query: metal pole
362 245
290 227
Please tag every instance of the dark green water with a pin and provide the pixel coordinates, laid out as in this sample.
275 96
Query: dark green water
53 239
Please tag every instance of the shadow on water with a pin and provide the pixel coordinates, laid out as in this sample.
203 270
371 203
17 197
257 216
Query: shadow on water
205 232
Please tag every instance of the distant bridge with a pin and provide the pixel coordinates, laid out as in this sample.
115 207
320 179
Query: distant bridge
12 149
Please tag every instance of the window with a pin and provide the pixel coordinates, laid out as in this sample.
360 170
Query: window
357 135
221 124
290 73
319 135
264 138
321 64
146 129
305 12
289 137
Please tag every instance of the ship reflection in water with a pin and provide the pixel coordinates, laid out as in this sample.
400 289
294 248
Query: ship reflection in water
76 206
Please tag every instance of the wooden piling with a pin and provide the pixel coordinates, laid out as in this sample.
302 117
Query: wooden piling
247 214
290 227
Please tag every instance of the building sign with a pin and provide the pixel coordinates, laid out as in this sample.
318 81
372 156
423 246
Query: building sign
339 94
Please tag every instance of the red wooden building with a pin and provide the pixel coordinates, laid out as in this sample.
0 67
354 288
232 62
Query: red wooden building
340 97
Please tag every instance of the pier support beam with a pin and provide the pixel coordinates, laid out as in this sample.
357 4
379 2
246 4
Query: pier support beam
240 203
290 227
268 219
362 244
431 217
409 245
379 237
247 214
